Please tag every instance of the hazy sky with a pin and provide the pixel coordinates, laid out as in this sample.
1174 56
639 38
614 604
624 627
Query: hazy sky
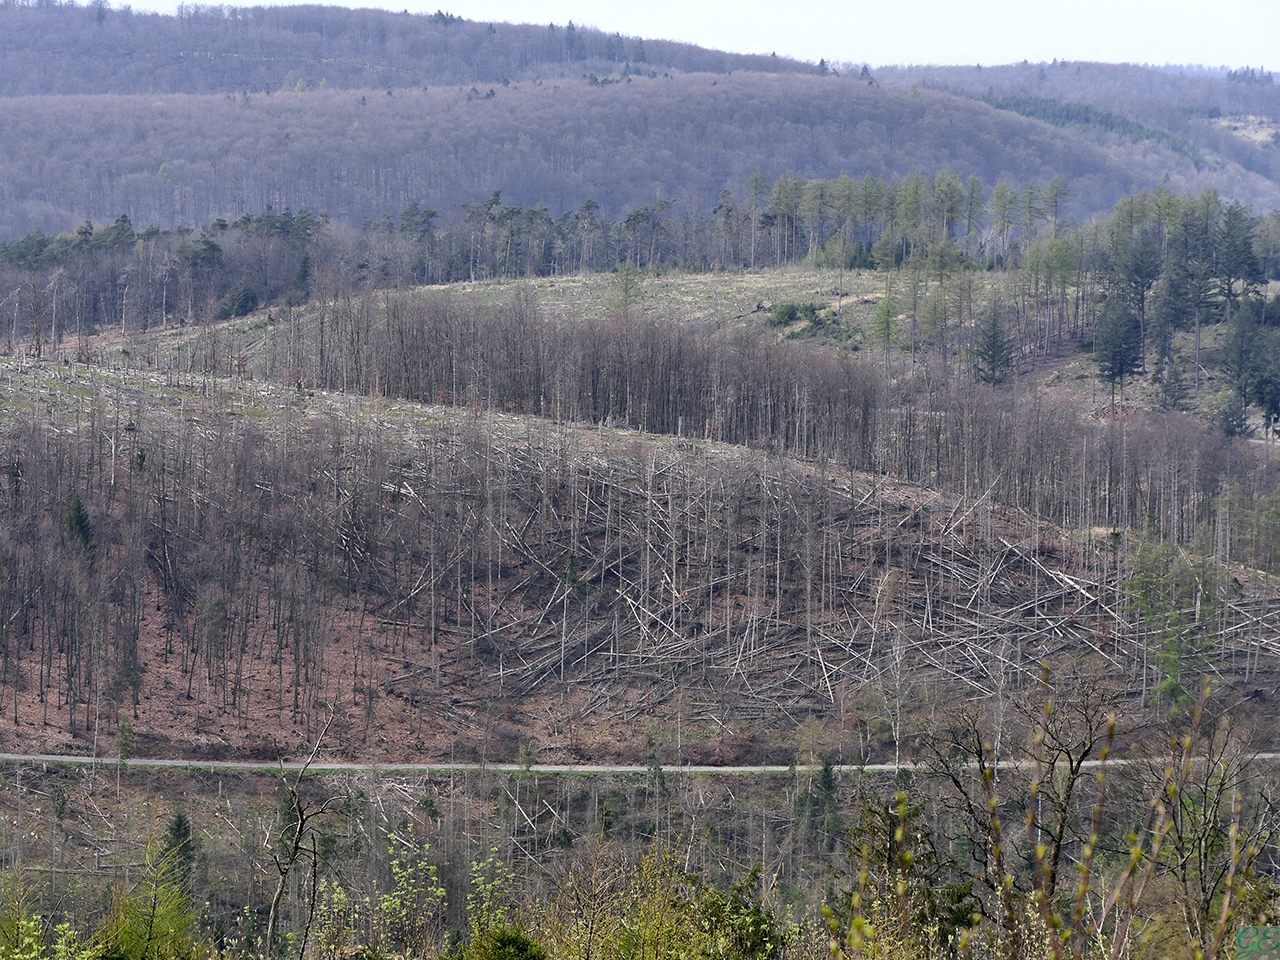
1231 32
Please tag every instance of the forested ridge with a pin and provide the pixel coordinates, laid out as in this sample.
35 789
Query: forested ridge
1090 118
1189 110
197 122
964 270
181 160
65 48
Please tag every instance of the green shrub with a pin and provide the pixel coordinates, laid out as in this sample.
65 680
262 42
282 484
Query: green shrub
785 314
411 916
152 920
505 942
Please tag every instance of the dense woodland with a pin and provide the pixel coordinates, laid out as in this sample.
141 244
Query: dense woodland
186 160
65 48
360 114
1186 110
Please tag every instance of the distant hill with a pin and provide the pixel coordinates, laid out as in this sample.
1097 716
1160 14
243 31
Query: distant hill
176 121
64 49
1201 115
181 160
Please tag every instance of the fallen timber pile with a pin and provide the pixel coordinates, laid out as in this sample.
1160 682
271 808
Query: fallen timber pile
452 583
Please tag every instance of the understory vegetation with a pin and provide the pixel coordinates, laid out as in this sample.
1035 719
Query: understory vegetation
1093 837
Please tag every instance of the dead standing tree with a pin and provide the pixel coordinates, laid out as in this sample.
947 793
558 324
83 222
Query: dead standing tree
293 838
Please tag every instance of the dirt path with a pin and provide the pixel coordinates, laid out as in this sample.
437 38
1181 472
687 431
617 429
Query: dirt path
322 766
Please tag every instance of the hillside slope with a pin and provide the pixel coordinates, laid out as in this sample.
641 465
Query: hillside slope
185 160
66 49
176 121
454 586
1203 117
224 561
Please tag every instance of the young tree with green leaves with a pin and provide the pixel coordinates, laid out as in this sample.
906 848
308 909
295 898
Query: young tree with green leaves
815 208
884 324
1055 194
1003 201
1199 225
947 203
872 201
179 847
975 208
844 199
757 188
1174 598
154 919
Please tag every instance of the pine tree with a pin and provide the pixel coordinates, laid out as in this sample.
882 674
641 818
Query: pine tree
79 526
179 848
1117 343
993 351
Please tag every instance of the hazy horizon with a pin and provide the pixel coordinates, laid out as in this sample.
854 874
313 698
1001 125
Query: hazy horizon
1240 33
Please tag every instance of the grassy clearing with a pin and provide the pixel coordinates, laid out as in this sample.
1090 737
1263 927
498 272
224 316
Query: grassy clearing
719 297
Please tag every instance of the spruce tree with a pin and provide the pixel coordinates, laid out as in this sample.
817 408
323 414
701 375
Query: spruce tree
993 351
